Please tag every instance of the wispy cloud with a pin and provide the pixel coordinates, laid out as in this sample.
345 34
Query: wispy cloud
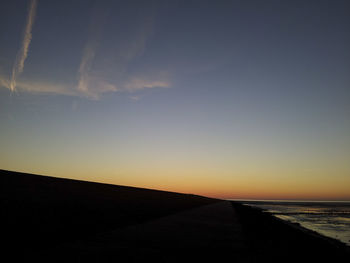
4 82
89 84
40 87
92 75
139 84
102 69
99 87
23 52
85 67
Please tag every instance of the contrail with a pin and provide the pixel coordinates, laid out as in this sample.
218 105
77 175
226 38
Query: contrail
85 65
97 22
23 52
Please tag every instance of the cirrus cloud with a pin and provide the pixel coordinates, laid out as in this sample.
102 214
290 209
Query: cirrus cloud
98 72
23 52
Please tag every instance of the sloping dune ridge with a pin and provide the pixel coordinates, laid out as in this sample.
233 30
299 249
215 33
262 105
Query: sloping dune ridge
47 219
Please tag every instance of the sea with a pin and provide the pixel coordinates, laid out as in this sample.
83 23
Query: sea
328 218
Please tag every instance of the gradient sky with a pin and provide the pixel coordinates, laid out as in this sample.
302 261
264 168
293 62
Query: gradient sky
230 99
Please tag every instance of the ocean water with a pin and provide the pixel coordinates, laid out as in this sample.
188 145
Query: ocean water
330 219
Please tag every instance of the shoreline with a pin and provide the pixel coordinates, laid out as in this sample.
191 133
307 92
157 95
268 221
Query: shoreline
56 219
297 225
272 238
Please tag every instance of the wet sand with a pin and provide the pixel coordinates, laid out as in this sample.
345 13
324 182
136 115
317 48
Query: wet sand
274 240
46 219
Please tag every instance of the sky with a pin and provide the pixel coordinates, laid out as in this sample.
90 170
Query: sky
228 99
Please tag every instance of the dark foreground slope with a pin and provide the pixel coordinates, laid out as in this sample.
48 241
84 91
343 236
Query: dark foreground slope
45 219
40 212
208 233
273 240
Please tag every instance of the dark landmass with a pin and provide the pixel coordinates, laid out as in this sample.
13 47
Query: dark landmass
274 240
208 233
40 212
47 219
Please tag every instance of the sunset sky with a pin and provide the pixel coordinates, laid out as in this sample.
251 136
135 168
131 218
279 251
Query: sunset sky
229 99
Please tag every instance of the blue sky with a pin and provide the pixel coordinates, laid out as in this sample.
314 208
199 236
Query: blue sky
249 98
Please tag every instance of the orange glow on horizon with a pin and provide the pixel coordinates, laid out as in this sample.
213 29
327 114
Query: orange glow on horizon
235 187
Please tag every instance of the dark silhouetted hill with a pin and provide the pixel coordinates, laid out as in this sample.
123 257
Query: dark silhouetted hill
40 212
